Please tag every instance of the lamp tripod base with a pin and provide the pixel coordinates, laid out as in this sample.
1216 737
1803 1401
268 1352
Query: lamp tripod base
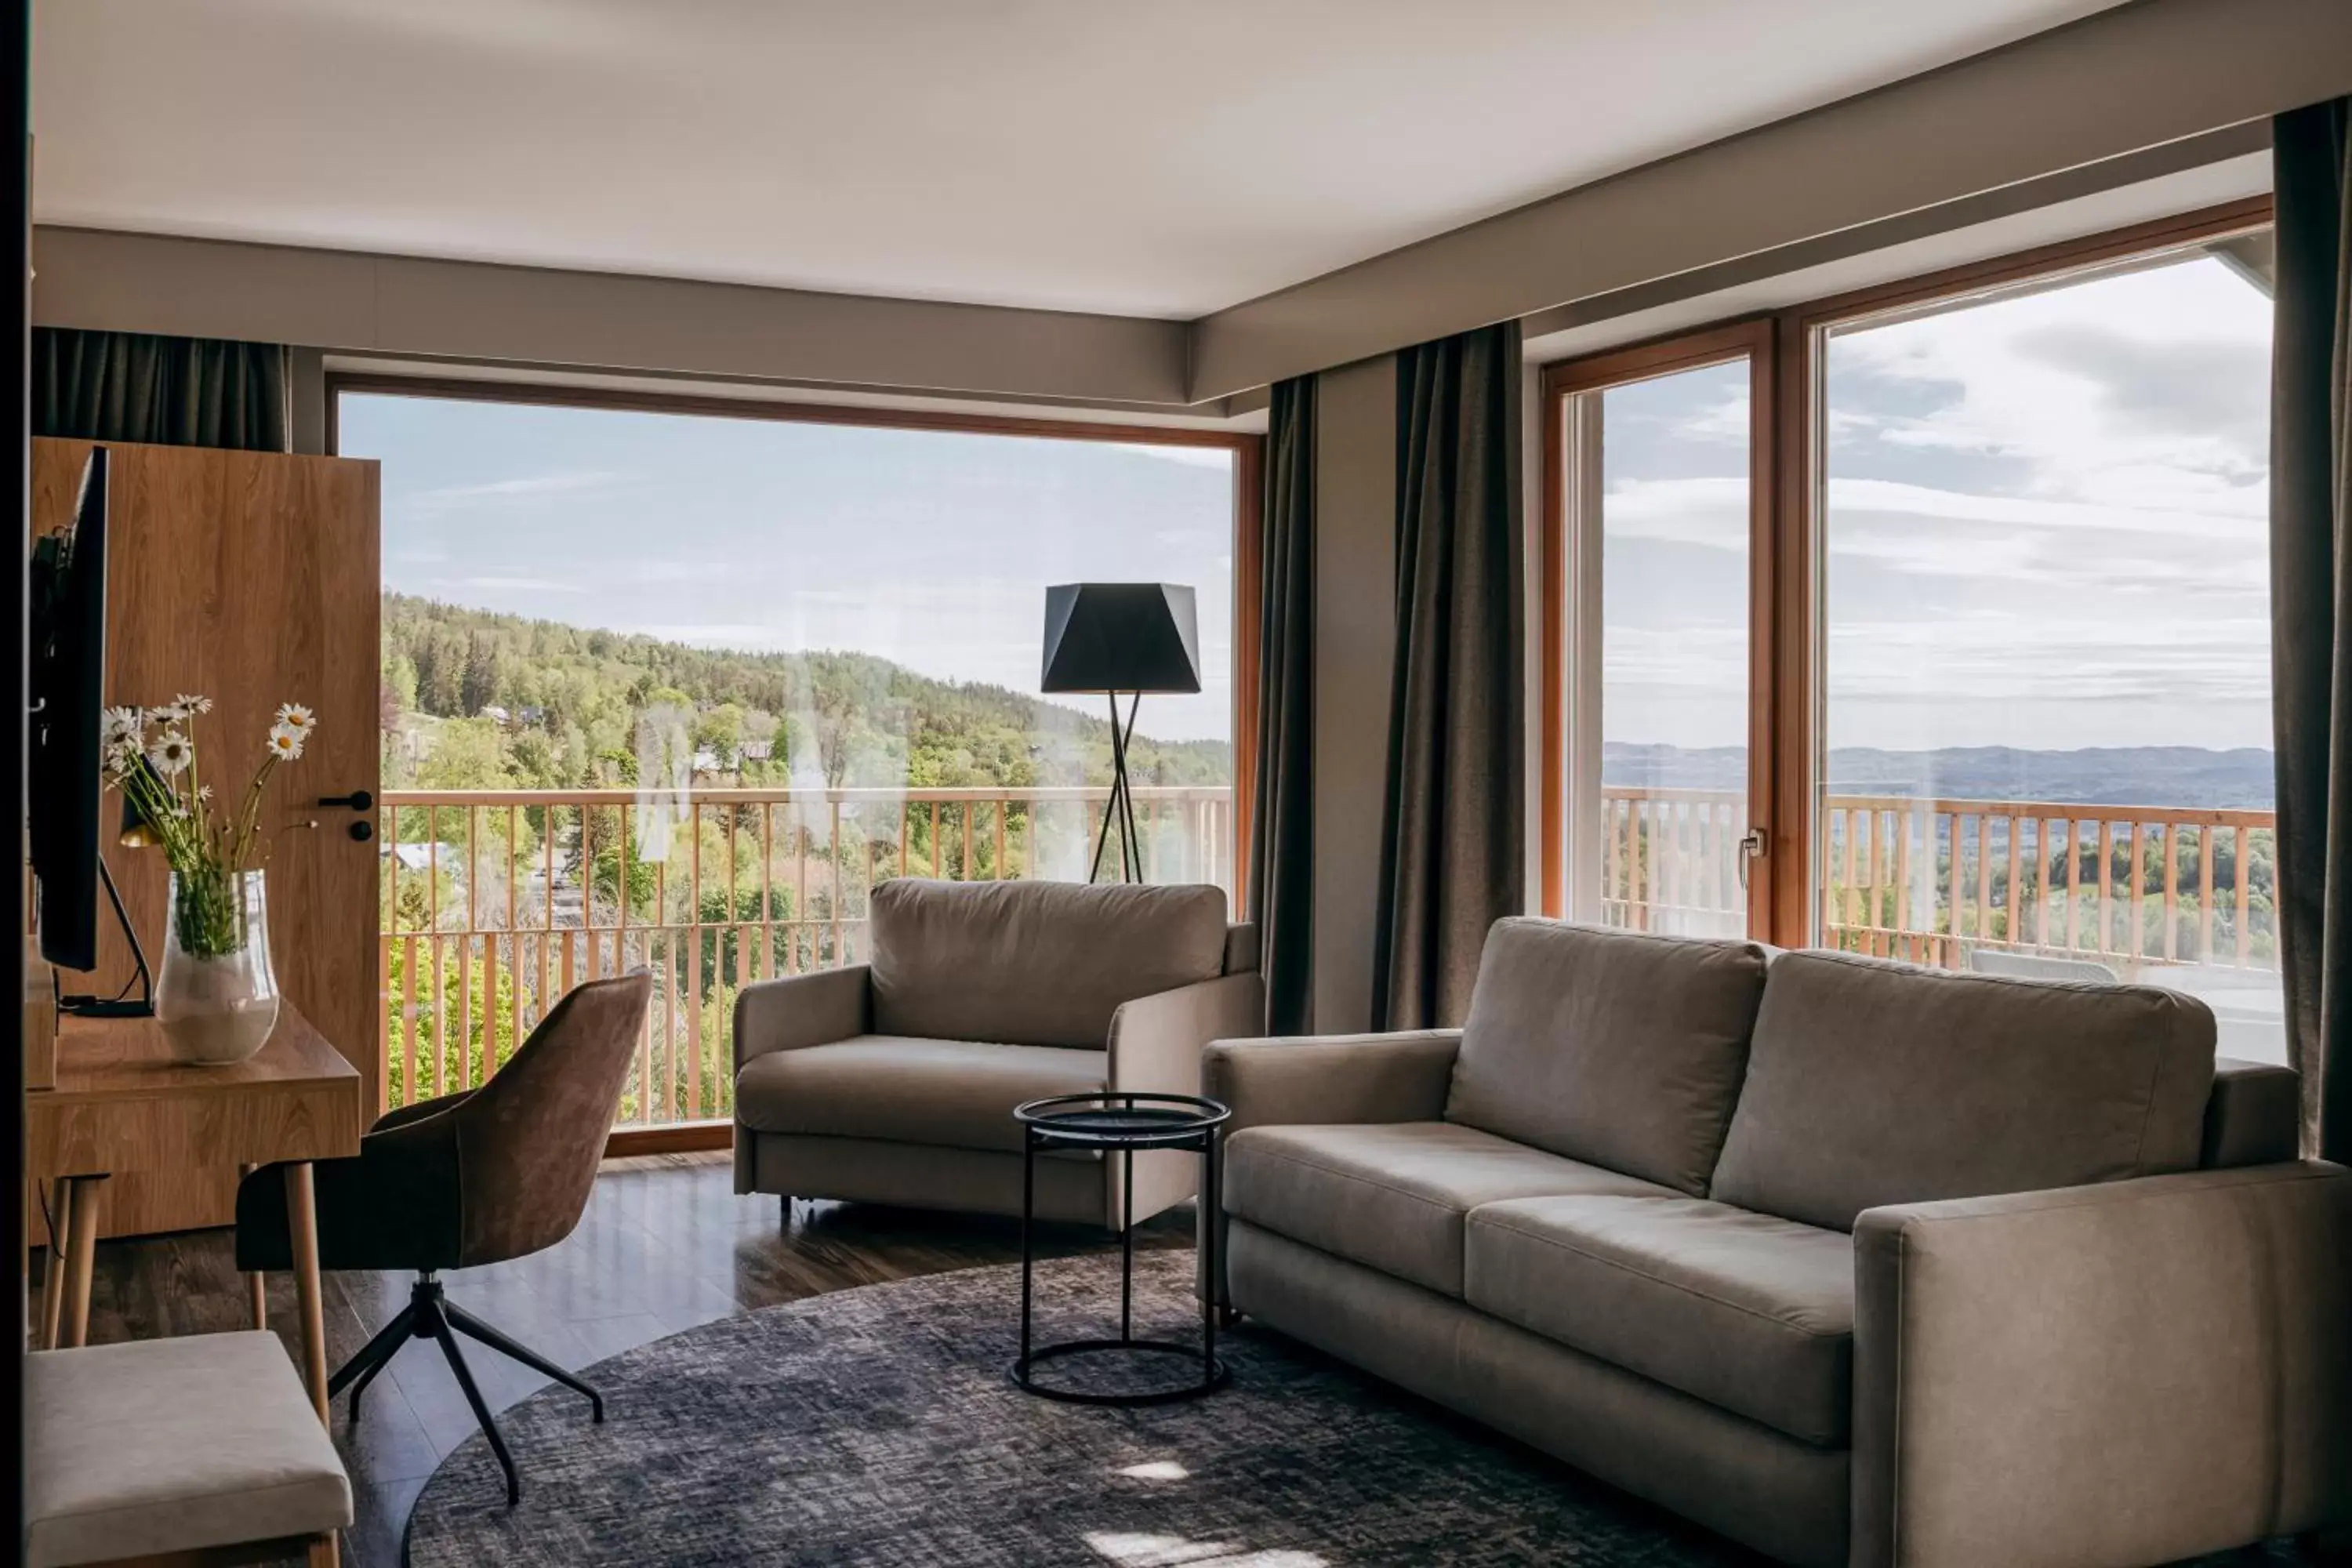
1121 806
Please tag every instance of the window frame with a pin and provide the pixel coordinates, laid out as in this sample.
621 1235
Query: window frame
1247 446
1787 492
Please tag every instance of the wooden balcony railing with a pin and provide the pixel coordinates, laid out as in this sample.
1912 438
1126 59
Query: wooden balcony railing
497 902
1929 880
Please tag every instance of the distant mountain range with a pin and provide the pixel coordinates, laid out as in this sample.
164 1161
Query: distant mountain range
2239 780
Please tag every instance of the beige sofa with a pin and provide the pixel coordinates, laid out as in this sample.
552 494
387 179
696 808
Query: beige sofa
1855 1262
893 1081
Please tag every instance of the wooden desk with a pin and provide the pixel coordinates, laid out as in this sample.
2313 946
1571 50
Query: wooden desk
122 1104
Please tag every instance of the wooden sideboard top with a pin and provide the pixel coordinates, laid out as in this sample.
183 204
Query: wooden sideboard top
107 1057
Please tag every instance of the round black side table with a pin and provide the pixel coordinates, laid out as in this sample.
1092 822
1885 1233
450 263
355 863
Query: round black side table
1122 1124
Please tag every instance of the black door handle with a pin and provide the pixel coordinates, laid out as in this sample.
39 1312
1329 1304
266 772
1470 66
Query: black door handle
358 800
363 831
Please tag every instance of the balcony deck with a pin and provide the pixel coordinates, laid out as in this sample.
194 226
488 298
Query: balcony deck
497 902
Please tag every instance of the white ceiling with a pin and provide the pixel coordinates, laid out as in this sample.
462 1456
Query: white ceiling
1146 157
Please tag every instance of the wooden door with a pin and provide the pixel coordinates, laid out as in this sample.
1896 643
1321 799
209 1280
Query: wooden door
251 578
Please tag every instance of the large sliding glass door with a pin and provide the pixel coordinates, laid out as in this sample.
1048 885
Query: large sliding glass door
2045 715
1933 622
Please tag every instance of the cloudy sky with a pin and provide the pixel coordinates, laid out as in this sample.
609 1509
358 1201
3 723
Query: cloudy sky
2046 528
929 548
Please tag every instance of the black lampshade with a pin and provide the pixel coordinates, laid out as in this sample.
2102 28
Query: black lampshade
1121 636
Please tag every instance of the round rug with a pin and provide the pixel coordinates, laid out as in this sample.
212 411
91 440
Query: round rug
878 1426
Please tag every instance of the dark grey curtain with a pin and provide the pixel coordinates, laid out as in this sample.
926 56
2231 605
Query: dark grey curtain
1282 815
2311 609
1453 834
176 391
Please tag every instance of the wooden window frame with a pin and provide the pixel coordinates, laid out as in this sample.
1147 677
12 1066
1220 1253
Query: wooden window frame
1787 489
1562 543
1249 459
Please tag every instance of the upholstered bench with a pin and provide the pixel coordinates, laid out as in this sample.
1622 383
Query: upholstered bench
156 1447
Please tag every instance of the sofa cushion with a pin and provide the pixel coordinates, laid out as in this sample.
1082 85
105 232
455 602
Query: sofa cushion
1034 963
1741 1309
956 1093
173 1445
1873 1082
1611 1046
1392 1195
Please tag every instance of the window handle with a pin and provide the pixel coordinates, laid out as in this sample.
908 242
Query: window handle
1750 847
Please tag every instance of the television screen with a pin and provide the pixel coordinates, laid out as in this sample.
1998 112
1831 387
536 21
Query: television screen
67 676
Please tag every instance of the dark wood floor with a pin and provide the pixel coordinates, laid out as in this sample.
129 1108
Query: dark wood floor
665 1245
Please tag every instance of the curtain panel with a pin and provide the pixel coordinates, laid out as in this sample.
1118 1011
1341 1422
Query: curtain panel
2311 609
1454 828
173 392
1282 817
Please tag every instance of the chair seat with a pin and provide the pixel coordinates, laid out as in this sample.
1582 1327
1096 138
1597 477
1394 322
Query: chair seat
1393 1197
160 1445
957 1094
1742 1310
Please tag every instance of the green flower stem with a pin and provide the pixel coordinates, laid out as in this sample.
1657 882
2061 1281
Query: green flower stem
205 913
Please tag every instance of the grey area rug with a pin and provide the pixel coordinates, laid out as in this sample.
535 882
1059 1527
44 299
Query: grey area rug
878 1426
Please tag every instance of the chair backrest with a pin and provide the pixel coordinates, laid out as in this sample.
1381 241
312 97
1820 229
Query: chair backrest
530 1141
1034 963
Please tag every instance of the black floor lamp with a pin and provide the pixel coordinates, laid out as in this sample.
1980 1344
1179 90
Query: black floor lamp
1121 636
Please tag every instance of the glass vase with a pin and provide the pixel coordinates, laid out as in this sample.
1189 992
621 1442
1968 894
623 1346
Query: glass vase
217 995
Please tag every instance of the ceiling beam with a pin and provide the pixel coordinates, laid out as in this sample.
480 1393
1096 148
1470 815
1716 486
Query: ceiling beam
2140 76
354 302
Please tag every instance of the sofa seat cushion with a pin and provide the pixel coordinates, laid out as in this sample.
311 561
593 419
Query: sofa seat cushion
1392 1196
1034 963
1611 1047
1746 1311
1871 1082
959 1094
177 1445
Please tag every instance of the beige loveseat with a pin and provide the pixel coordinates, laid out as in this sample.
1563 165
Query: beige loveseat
893 1081
1855 1262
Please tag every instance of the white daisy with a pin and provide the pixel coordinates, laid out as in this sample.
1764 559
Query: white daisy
172 754
169 713
295 716
121 722
188 704
204 792
285 743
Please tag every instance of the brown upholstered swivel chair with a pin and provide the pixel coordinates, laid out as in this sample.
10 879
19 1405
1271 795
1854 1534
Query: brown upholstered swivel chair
478 1177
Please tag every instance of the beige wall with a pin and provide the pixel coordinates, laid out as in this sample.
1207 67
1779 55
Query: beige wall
1355 645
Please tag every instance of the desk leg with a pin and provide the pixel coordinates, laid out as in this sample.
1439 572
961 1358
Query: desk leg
81 1251
53 1274
302 1225
257 1283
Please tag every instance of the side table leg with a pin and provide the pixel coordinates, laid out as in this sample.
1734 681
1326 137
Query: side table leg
1028 1207
81 1253
1209 1259
302 1225
1127 1251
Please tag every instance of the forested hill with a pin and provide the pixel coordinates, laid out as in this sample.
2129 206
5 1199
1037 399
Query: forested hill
473 699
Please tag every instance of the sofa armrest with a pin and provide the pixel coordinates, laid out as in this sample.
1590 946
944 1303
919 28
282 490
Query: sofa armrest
1156 1041
1307 1079
1298 1079
2134 1371
801 1010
